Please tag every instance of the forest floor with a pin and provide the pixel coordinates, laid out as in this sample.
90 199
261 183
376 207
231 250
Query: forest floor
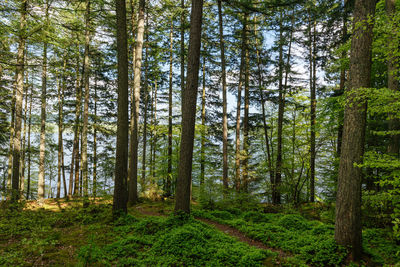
61 233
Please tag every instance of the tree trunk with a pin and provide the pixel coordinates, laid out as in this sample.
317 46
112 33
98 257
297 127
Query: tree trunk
11 147
313 101
393 82
169 168
133 194
28 188
42 153
18 104
22 175
182 44
120 185
95 141
224 101
75 148
189 97
203 130
86 74
348 204
260 90
246 115
239 100
61 169
146 105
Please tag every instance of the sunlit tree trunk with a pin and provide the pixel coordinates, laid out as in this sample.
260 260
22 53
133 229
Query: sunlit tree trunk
133 194
18 103
348 204
189 97
42 152
86 74
224 100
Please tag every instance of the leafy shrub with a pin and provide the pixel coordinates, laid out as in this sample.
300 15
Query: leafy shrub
294 222
253 216
325 252
222 214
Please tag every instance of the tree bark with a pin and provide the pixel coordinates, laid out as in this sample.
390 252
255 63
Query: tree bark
133 194
203 129
42 153
95 141
348 204
238 106
18 103
189 97
120 185
86 74
169 167
224 100
22 175
246 114
146 105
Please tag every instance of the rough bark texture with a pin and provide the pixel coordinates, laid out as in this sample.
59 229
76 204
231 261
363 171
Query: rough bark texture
86 74
203 129
246 114
238 105
133 194
18 104
95 142
348 203
224 100
42 153
313 102
120 185
169 170
189 96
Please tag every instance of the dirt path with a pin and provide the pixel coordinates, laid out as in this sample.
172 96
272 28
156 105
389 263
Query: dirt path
231 231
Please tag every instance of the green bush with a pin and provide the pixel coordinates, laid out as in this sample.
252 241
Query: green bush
294 222
254 216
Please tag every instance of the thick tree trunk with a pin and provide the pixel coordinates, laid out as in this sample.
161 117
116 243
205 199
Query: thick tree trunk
18 104
393 81
133 194
120 185
189 97
146 105
169 168
86 74
348 204
224 100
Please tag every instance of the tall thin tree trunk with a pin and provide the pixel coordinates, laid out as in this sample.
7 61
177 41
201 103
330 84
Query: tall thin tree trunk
61 169
189 97
28 188
246 114
153 166
18 104
238 106
182 44
146 104
11 147
22 175
262 100
120 185
95 141
86 74
224 100
169 168
133 194
75 149
203 130
348 203
42 153
313 101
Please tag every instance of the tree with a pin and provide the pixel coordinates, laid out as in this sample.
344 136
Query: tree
18 102
348 203
120 187
189 97
133 194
